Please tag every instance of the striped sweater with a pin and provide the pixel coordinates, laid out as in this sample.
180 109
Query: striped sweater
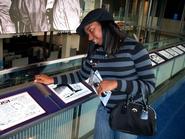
131 67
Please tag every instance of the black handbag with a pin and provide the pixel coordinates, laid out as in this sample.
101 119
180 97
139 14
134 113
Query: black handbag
136 118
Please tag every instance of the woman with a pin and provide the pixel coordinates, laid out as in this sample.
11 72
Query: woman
123 64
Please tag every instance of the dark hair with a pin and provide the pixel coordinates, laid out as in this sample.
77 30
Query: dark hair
112 37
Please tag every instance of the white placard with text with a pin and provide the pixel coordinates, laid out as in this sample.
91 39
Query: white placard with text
17 109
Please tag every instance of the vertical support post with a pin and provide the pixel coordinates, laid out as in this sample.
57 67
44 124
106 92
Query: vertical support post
1 53
70 41
141 17
126 10
159 21
66 45
182 28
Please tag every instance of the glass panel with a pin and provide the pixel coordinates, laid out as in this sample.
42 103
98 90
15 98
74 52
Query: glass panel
15 76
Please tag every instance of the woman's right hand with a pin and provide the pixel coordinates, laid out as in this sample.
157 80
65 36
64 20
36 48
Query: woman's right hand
45 79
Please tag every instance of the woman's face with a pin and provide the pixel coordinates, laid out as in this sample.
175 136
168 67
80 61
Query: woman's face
94 32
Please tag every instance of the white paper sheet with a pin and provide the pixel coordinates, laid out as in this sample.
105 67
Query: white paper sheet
17 109
67 94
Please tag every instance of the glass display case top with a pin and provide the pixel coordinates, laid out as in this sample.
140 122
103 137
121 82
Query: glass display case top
15 76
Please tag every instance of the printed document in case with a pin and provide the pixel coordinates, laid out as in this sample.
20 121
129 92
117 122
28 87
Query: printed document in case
70 92
17 109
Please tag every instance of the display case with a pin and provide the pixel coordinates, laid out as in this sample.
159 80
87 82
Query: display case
171 58
56 114
21 107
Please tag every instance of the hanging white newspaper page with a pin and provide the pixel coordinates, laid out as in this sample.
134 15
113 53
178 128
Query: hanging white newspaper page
94 79
17 109
70 92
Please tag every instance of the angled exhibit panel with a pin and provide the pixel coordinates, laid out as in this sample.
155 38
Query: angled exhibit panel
68 95
22 107
35 111
62 118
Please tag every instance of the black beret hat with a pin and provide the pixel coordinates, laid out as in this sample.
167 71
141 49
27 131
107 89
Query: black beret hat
99 14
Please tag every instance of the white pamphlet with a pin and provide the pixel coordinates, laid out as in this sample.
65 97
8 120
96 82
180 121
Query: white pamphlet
95 78
17 109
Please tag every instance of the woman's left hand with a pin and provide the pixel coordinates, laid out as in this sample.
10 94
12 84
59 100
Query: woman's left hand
106 85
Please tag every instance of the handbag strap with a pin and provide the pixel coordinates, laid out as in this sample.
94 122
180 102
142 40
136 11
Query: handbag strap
144 99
